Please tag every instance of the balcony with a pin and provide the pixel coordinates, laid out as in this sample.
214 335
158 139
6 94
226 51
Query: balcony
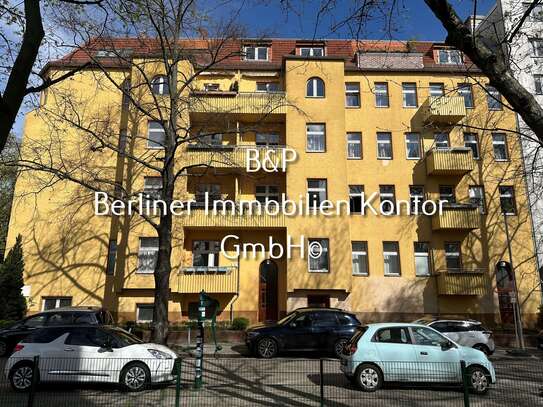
457 217
232 156
443 109
463 282
213 280
249 103
198 218
449 161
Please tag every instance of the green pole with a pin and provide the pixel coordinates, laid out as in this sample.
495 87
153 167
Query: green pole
178 383
198 380
465 382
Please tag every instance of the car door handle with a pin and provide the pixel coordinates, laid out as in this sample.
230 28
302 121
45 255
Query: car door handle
68 349
424 353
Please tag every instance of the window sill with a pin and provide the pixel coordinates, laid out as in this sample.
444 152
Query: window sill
352 107
501 160
360 275
392 275
413 158
309 151
315 97
155 148
354 158
145 273
384 158
410 107
383 107
319 271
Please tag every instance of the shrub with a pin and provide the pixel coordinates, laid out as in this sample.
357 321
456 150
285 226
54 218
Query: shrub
240 323
12 301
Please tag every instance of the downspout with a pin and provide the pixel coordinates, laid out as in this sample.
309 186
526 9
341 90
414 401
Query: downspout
236 296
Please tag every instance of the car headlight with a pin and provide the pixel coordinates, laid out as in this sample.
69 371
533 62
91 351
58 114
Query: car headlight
252 334
159 354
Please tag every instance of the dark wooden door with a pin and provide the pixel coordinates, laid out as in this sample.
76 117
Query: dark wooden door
267 291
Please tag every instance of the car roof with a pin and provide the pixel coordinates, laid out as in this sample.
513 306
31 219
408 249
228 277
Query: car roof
393 324
308 309
471 321
73 309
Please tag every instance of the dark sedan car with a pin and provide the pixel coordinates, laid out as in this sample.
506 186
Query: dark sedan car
540 340
306 329
13 334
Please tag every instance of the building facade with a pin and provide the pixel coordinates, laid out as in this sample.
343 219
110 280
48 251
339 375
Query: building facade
403 120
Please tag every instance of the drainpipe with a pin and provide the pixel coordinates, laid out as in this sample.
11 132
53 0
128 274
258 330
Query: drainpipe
236 296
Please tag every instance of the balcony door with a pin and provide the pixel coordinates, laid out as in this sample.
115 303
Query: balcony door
267 291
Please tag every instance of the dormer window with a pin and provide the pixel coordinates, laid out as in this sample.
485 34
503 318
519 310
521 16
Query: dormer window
212 87
254 53
311 51
449 57
105 53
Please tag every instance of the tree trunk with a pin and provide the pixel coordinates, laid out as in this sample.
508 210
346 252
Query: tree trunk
162 280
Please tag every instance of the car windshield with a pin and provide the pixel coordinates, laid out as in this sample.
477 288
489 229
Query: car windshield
125 338
286 319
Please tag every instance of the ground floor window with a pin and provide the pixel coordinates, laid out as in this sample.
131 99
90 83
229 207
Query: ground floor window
318 301
144 312
56 302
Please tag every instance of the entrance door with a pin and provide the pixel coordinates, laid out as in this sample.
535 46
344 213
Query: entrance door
504 286
267 291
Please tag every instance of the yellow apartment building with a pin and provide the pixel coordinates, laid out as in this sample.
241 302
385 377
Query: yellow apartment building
403 120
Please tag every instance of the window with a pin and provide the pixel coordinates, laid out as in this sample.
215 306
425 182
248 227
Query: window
416 197
412 146
316 138
205 253
409 92
477 197
144 312
354 146
537 12
316 191
381 94
538 84
60 318
315 88
352 94
537 47
465 90
437 89
209 140
391 257
446 193
267 139
392 335
213 191
493 98
470 141
428 337
266 193
111 257
253 53
449 56
321 262
56 302
324 319
441 140
499 144
507 200
159 85
267 87
152 187
312 51
453 258
360 258
355 198
156 136
422 258
386 195
212 87
384 146
147 254
317 301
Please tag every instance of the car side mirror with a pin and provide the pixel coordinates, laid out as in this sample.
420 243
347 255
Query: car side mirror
446 345
106 346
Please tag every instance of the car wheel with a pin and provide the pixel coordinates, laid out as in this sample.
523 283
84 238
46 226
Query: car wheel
135 377
20 376
369 377
4 348
482 348
339 345
267 348
479 380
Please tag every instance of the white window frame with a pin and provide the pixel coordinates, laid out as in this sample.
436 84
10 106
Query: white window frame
436 89
477 198
256 49
311 51
212 87
325 249
457 254
161 81
314 80
381 91
392 253
267 86
448 60
438 143
413 195
267 139
388 196
386 140
409 142
153 145
268 195
211 249
322 188
473 142
148 250
356 195
496 143
152 186
315 133
350 92
409 88
360 255
449 197
510 194
465 89
424 255
57 300
354 142
140 306
493 98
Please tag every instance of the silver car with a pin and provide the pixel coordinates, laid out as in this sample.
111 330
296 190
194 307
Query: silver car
466 332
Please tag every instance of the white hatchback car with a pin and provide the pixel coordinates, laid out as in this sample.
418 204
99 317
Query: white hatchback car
89 354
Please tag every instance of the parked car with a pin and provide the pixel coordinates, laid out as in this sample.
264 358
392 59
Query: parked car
398 352
306 329
540 340
13 334
89 353
464 332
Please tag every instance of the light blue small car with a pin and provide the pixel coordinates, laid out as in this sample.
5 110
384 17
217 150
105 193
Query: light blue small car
400 352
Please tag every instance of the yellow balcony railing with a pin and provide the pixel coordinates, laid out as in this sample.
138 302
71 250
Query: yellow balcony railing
235 156
463 282
213 280
444 109
449 161
457 217
198 218
261 103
